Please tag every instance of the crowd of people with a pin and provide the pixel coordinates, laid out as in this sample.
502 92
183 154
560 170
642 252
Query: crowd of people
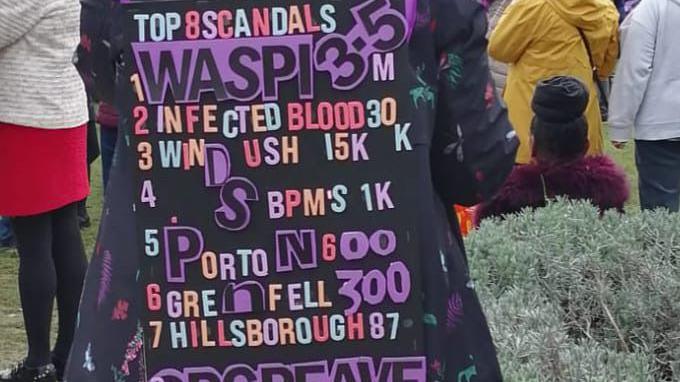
552 62
530 41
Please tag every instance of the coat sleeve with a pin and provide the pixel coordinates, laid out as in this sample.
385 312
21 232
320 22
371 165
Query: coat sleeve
473 145
514 32
17 18
634 71
611 54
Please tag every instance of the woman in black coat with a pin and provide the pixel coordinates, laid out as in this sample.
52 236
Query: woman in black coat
465 147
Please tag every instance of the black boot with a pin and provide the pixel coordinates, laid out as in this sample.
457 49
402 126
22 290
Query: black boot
21 373
59 367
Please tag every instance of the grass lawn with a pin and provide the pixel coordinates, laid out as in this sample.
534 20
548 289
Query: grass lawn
12 346
626 158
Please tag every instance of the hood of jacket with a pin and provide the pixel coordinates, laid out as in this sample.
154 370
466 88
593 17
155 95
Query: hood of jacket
585 14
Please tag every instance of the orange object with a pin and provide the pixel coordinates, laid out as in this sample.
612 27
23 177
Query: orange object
465 218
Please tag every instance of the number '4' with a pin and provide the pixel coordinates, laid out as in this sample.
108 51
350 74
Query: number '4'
148 196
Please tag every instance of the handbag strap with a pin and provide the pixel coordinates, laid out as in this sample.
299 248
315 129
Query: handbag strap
596 77
545 189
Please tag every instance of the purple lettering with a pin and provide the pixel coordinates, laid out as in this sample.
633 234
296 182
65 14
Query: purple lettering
353 245
311 372
240 373
229 69
217 165
382 196
279 64
247 297
383 242
358 148
349 281
275 373
201 374
234 215
183 245
358 369
300 245
374 287
398 282
165 64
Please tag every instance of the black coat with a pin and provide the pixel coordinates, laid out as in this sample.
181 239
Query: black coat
465 148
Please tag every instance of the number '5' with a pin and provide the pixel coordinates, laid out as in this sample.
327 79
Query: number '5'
152 247
378 18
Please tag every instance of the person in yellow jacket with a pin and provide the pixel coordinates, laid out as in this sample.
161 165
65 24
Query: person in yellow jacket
541 39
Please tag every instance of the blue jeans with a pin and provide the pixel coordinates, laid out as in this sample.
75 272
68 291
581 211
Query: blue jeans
6 234
109 135
658 163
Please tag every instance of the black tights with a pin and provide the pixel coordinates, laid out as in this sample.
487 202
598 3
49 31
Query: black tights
52 263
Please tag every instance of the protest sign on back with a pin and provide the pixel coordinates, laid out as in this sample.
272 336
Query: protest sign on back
276 195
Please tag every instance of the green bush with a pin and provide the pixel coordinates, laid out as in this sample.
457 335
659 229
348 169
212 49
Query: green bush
573 296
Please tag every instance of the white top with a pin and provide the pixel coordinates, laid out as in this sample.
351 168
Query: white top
39 85
645 99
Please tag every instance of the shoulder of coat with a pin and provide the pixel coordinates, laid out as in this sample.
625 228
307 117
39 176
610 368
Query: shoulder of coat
528 5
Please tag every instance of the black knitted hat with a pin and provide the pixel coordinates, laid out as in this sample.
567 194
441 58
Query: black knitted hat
560 99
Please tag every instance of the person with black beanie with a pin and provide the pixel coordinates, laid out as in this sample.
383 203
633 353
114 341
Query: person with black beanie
560 166
540 39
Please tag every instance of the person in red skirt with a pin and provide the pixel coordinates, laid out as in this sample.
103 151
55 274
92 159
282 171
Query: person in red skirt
43 114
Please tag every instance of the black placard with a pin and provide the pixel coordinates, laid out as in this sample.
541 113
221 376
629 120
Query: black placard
276 193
